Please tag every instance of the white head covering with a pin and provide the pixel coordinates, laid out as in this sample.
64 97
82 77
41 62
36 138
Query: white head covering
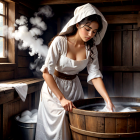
80 13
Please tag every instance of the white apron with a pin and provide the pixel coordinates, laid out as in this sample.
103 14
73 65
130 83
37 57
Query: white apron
52 121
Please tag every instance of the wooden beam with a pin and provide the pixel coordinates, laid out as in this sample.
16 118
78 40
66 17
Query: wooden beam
120 19
46 2
16 1
30 4
122 68
23 10
119 8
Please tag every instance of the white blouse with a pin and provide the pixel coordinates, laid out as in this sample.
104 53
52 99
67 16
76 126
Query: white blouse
56 59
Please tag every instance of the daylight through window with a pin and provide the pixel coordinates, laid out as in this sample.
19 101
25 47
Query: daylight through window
2 22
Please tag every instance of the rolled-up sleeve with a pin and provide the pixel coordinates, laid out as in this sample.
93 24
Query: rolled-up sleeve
93 67
52 56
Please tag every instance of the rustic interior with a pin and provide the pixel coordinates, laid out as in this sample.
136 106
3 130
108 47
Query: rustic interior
119 53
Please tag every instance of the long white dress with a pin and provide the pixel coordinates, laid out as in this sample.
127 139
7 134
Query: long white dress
52 121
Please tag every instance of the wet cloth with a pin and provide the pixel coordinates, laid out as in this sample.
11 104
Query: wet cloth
52 123
21 89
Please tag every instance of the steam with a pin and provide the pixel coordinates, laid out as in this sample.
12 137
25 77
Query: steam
29 38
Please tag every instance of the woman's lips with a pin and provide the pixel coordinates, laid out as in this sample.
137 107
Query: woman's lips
88 38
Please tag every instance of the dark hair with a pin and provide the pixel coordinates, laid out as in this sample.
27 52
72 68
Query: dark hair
85 21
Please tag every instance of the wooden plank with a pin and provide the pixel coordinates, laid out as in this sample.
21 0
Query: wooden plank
136 61
45 2
127 47
24 61
5 121
127 61
117 46
108 81
117 62
24 73
23 53
7 67
100 54
6 75
79 122
127 84
121 125
91 138
118 84
81 125
136 47
6 97
121 19
91 91
131 125
91 123
20 80
137 124
23 10
16 1
107 47
3 60
32 4
138 19
11 21
110 125
122 68
136 84
119 8
101 124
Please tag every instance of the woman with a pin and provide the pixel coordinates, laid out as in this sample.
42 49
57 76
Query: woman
69 53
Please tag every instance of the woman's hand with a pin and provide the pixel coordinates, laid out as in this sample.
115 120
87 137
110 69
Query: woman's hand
110 106
67 104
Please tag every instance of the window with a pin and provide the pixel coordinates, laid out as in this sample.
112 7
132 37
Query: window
3 21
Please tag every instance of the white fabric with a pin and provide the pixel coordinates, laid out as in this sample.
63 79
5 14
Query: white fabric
52 121
21 89
80 13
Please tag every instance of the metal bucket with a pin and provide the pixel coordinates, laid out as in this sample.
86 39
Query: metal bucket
24 131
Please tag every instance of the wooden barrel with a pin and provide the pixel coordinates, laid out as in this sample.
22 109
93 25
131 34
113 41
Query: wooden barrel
93 125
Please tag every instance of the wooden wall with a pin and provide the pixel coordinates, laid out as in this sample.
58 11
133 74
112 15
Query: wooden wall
118 53
122 55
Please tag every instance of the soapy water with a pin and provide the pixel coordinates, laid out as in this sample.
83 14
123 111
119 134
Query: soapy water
28 116
119 107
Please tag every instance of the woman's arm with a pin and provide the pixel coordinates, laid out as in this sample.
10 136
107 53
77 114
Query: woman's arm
99 85
52 85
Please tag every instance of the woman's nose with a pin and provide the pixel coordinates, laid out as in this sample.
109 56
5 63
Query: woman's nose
90 34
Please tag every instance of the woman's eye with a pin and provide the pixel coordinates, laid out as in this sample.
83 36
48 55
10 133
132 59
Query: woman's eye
87 29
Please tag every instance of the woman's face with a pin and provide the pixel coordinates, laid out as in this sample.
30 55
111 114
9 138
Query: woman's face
88 31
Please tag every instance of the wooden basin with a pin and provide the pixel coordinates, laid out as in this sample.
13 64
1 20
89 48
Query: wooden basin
93 125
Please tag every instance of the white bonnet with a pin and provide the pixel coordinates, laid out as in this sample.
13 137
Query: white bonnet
80 13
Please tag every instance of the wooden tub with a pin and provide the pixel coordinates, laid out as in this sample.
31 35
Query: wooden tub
93 125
